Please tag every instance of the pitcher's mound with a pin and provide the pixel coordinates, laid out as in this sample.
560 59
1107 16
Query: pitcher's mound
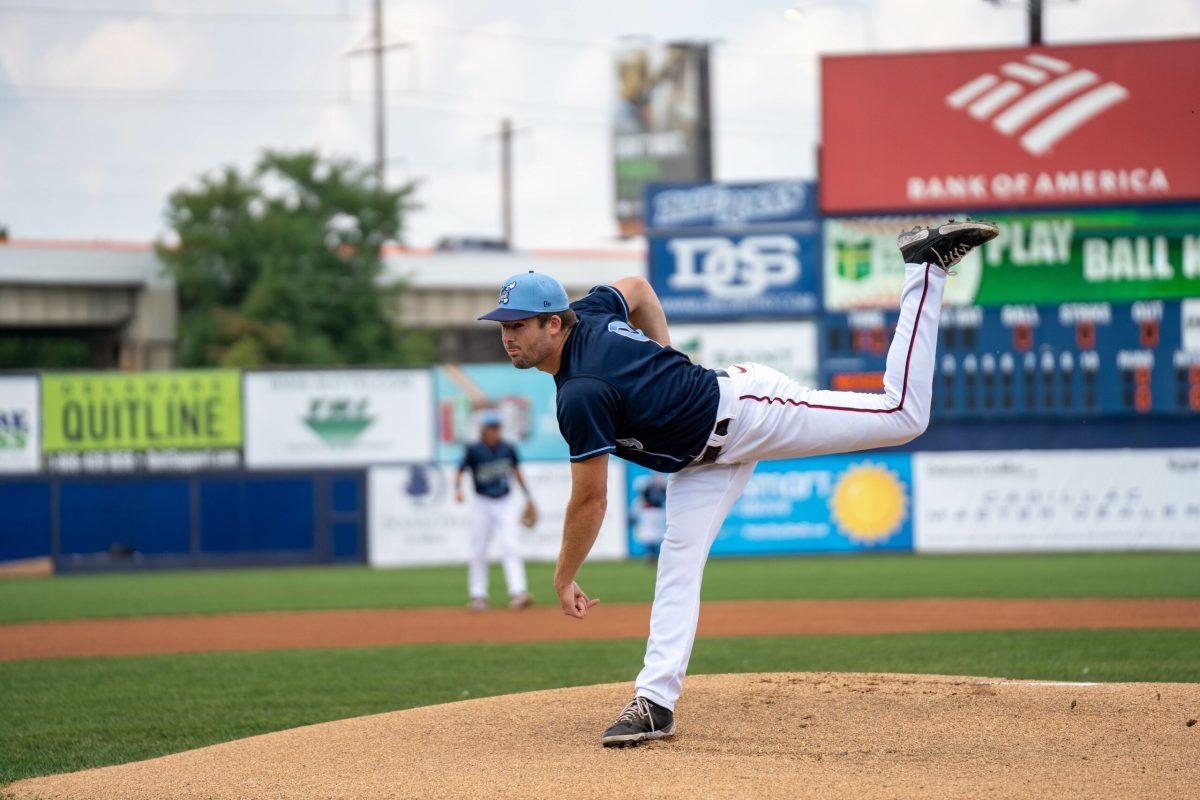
759 735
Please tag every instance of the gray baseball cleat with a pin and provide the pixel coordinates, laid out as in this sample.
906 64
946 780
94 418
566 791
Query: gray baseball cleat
641 720
945 245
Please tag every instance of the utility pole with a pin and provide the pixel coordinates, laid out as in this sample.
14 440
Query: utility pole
380 117
506 133
375 47
1035 22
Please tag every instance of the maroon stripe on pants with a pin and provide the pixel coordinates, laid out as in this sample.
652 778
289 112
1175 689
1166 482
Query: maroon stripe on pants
783 401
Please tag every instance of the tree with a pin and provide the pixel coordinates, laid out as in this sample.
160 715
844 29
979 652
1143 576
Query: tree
282 266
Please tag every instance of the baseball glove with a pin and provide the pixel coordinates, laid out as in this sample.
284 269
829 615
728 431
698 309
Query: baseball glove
529 517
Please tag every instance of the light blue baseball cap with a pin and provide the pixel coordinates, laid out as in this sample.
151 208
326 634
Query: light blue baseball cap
489 417
526 295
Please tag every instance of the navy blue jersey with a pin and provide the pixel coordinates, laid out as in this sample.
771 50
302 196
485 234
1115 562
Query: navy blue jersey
621 392
490 468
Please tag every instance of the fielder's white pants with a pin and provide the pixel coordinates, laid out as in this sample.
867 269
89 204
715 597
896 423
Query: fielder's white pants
495 516
773 417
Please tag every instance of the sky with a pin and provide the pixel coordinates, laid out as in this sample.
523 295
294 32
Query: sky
107 106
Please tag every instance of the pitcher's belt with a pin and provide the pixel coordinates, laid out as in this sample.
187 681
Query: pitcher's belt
709 454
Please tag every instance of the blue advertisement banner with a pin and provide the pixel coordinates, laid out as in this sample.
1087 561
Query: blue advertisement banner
842 503
524 399
729 205
735 277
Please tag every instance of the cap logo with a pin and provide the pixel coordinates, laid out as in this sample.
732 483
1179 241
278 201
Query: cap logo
504 292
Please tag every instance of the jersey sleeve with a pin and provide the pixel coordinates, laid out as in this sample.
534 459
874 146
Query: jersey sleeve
587 414
603 300
512 451
467 462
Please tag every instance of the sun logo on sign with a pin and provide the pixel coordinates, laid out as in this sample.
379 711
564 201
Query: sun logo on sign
504 292
869 503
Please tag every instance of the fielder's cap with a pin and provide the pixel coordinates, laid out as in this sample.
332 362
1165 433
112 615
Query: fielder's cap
489 417
526 295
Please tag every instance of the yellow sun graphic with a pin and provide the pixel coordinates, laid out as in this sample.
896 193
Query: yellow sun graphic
868 503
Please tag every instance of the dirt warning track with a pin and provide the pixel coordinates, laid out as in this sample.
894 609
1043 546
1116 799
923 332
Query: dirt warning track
366 628
794 736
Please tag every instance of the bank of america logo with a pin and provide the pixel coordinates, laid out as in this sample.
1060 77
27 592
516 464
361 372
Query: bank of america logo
1041 99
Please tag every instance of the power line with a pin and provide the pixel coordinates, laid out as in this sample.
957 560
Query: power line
194 14
608 45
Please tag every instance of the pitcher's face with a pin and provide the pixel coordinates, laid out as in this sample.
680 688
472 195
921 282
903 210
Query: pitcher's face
527 343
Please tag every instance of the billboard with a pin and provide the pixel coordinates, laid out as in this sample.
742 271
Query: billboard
734 251
338 417
1055 125
1057 500
729 205
525 400
20 434
661 125
1022 361
1120 254
126 421
712 277
840 503
790 347
415 520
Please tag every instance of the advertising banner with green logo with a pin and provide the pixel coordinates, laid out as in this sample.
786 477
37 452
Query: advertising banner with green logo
122 421
1115 255
19 451
359 417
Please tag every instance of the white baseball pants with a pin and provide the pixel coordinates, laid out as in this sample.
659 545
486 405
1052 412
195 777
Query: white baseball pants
495 516
773 417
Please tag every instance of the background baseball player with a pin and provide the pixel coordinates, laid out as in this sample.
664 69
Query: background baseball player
622 389
648 512
491 461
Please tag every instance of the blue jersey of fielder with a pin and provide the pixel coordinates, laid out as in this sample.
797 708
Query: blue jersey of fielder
620 392
489 467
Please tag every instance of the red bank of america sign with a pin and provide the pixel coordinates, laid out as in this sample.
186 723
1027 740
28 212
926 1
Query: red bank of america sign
1072 125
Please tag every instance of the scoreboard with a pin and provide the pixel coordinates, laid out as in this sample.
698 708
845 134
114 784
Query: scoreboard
1140 358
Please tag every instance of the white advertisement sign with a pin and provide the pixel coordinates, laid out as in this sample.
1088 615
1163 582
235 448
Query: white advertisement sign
1057 500
415 520
337 417
20 432
790 347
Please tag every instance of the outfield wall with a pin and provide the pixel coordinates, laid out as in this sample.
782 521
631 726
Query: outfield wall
190 468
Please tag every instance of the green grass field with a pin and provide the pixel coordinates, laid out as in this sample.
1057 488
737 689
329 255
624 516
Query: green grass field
207 592
71 714
61 715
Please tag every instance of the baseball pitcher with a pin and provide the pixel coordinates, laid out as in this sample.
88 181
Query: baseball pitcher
623 390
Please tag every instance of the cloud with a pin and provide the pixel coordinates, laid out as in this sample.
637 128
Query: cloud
131 54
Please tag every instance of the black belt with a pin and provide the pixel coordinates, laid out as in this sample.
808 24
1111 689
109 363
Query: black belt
709 455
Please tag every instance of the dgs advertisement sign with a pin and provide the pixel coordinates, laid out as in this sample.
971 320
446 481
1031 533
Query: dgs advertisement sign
1057 125
836 503
338 417
709 277
1114 255
111 421
20 436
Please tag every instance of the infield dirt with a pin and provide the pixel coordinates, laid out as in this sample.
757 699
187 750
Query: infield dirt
366 628
816 735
